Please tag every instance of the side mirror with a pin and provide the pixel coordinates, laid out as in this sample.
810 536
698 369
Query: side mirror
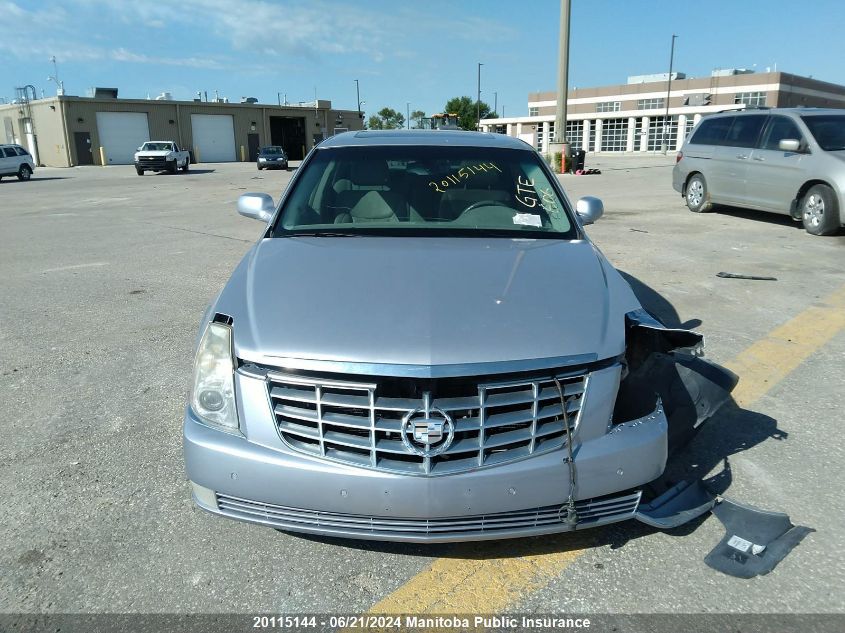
789 145
589 209
258 206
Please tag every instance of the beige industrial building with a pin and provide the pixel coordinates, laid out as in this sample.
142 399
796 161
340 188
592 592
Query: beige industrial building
632 117
65 131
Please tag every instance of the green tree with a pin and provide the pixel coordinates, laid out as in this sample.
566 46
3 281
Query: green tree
416 115
467 110
386 119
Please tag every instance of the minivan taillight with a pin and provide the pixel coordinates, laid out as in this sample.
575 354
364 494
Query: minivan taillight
679 156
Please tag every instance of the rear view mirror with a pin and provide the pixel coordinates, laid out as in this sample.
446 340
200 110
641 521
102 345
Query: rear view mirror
789 145
589 209
258 206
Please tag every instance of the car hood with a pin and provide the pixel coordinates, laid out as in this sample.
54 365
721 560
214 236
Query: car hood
157 152
425 302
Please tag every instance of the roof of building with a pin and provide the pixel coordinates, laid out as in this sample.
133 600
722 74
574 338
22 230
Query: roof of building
424 137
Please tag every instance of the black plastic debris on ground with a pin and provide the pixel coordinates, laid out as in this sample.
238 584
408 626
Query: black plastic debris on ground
751 277
755 540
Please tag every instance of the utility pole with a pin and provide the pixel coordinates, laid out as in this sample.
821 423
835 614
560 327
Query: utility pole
668 92
408 114
358 97
495 102
560 144
478 100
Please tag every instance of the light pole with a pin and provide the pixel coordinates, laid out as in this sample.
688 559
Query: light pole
668 91
560 144
408 114
478 100
358 97
60 87
495 102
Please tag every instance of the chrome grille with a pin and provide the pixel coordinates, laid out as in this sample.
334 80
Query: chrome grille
590 512
362 423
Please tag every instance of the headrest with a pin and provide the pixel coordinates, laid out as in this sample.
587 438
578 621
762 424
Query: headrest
369 173
372 208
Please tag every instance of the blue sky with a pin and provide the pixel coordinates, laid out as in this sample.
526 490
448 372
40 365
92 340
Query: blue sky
417 52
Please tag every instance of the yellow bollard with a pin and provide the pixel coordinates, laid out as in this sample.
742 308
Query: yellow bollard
103 156
196 155
243 154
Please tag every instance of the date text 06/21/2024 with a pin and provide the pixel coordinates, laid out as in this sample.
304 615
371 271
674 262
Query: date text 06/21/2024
417 622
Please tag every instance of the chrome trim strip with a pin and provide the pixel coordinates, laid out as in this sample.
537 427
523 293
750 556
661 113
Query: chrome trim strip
418 371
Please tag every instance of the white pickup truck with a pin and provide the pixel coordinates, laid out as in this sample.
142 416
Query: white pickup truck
161 156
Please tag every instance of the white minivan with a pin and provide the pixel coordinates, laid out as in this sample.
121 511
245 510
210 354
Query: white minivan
783 160
16 161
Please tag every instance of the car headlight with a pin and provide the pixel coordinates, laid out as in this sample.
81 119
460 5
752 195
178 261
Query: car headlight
261 159
213 385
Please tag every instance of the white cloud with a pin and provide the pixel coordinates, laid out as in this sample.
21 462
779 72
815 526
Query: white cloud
271 30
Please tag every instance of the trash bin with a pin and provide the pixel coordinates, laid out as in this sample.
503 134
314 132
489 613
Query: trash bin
578 161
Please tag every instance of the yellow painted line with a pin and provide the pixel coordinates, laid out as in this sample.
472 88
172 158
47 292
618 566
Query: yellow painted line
768 361
507 571
486 585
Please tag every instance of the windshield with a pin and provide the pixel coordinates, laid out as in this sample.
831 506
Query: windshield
828 130
425 191
157 147
271 150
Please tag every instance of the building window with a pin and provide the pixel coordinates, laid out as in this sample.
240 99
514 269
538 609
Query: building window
575 134
533 111
651 104
657 131
614 135
750 98
540 135
609 106
689 125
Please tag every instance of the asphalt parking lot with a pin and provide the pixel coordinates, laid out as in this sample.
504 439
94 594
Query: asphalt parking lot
105 276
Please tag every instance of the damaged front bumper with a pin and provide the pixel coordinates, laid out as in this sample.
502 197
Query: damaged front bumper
273 486
635 411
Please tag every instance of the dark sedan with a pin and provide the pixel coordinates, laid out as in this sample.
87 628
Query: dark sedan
272 157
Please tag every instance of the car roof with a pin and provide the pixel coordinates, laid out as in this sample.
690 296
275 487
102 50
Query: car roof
764 110
455 138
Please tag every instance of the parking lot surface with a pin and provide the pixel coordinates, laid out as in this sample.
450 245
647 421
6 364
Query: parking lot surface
105 276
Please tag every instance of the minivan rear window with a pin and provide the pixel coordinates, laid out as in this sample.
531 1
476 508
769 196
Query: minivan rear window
828 130
712 131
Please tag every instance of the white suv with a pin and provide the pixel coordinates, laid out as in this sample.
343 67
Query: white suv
15 161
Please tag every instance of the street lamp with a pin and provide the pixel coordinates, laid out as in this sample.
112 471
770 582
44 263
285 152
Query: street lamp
668 91
358 97
560 143
478 101
408 114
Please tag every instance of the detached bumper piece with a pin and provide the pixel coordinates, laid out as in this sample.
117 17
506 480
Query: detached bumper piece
678 505
545 520
755 541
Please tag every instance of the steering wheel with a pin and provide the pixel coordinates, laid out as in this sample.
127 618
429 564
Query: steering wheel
481 203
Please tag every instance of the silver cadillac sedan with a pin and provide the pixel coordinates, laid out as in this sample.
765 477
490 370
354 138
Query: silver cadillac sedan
424 345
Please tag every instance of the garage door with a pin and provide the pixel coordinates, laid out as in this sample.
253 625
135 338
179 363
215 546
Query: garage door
121 133
214 137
